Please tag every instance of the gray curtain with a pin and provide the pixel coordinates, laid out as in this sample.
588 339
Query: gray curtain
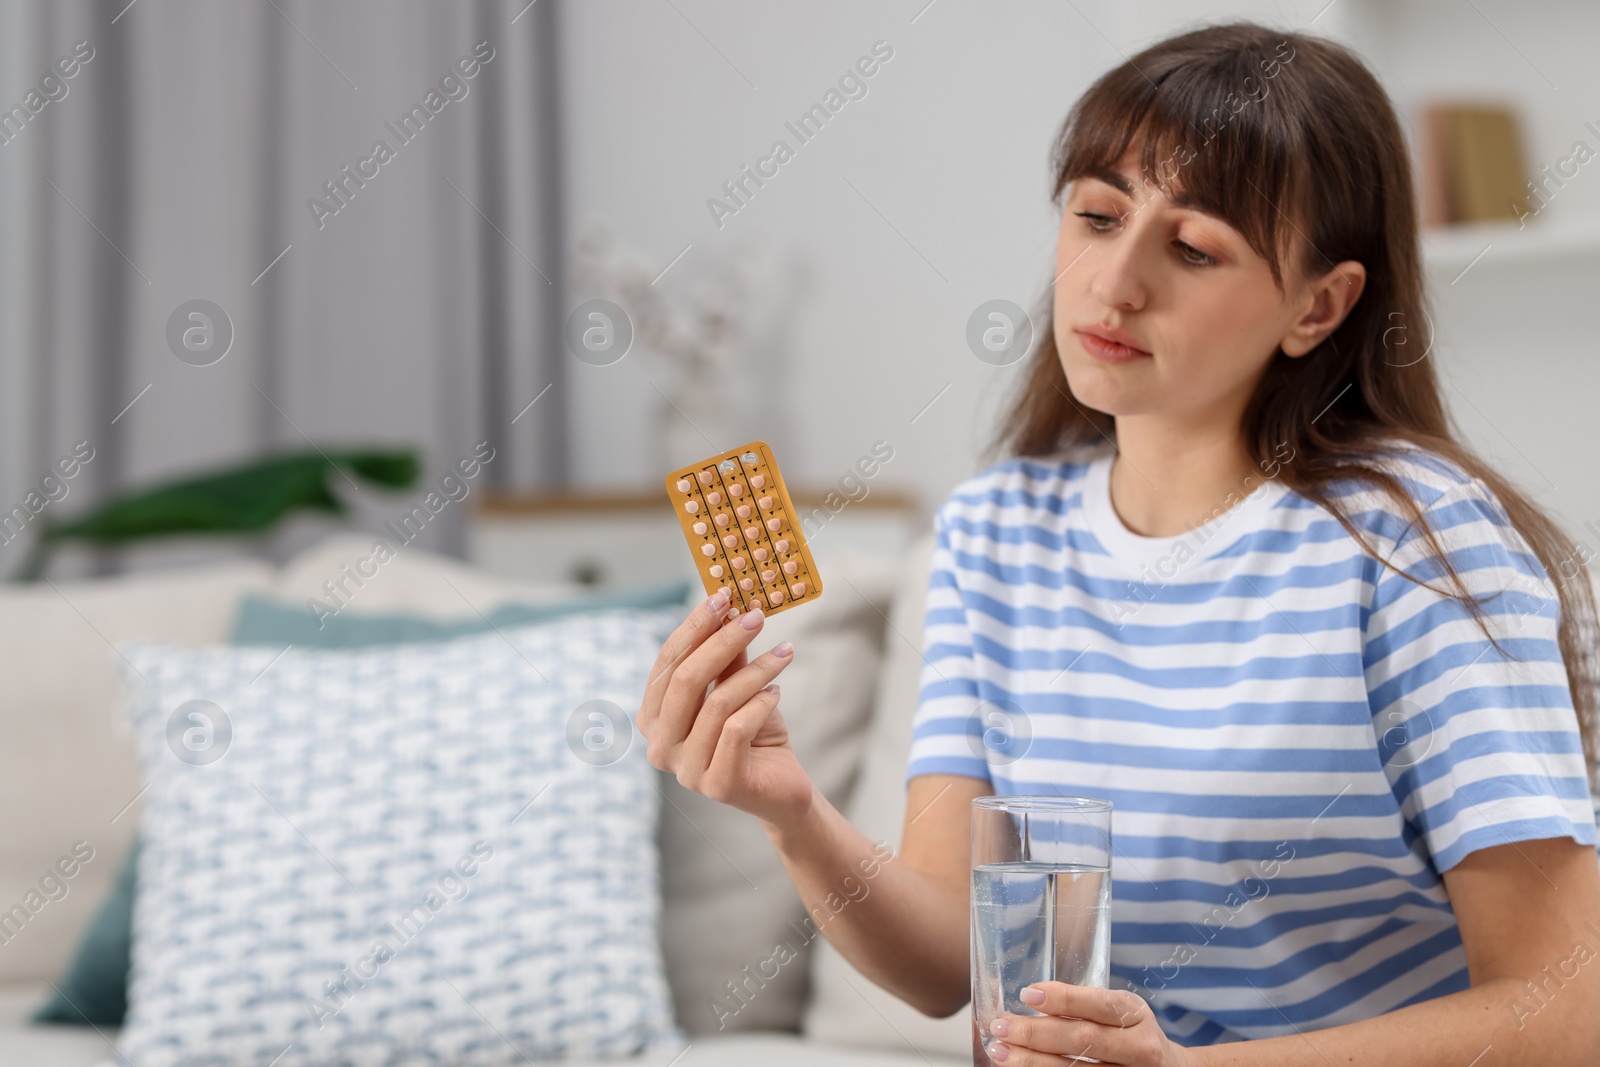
228 152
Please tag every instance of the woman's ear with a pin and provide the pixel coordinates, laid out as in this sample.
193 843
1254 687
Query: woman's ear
1323 304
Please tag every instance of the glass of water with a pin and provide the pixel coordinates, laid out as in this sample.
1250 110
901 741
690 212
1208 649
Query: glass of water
1041 901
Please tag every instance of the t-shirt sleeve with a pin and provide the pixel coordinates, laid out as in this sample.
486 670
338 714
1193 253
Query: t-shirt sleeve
1480 745
945 736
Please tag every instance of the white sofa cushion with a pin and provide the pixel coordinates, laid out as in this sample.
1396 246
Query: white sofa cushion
412 580
68 771
38 1046
46 1046
408 852
846 1008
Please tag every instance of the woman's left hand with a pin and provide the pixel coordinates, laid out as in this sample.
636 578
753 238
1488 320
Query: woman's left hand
1114 1026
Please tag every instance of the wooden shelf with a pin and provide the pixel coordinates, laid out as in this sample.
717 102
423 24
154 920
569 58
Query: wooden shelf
618 539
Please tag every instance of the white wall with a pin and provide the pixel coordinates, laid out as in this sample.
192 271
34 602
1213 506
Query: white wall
950 144
950 147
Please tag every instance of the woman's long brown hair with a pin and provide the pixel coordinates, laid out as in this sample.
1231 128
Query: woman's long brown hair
1292 140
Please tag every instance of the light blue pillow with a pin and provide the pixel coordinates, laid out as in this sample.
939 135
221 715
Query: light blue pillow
97 977
412 853
264 621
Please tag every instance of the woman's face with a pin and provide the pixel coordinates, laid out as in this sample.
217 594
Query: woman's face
1197 304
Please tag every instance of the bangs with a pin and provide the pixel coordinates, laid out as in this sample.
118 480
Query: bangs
1212 135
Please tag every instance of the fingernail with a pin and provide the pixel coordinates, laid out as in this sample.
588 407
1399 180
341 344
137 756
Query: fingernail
999 1053
751 619
1000 1028
1033 996
782 649
717 601
771 688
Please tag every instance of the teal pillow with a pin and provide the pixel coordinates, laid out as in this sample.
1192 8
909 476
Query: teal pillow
95 989
97 980
263 621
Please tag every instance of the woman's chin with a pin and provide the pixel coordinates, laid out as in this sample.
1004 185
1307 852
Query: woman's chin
1094 390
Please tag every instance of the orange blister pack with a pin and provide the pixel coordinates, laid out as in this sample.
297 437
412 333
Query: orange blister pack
740 523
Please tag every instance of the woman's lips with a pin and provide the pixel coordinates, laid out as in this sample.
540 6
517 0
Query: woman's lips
1109 351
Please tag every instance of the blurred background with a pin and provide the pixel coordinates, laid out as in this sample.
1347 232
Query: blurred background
236 230
282 278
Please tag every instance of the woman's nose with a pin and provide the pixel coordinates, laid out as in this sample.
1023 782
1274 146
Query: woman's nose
1117 269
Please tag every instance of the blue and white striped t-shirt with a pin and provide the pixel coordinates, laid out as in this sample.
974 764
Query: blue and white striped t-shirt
1296 740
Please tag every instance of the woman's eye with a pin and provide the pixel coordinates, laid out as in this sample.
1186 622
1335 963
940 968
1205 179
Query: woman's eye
1103 224
1097 223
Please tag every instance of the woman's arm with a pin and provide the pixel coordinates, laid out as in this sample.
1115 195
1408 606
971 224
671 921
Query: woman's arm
908 932
1529 914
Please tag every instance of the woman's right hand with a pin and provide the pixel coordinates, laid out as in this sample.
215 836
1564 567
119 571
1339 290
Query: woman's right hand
731 744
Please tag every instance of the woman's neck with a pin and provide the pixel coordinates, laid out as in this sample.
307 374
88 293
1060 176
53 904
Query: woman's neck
1169 478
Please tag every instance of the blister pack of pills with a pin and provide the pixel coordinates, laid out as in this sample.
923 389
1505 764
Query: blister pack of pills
740 524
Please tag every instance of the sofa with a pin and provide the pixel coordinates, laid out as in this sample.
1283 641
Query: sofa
70 774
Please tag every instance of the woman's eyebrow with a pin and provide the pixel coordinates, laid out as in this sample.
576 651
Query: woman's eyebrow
1120 182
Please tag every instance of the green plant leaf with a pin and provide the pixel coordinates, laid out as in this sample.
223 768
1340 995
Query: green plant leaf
243 499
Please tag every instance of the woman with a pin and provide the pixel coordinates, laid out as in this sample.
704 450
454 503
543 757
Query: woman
1238 577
